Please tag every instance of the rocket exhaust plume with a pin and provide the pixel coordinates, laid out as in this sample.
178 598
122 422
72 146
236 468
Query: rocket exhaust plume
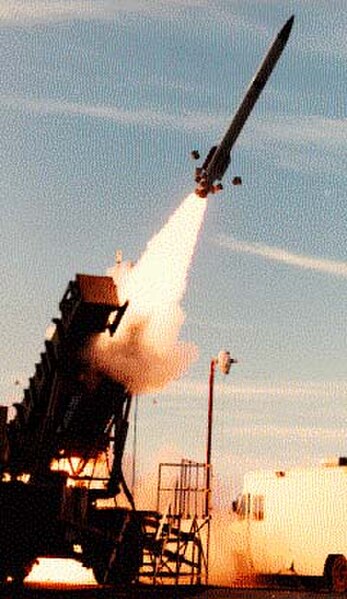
145 353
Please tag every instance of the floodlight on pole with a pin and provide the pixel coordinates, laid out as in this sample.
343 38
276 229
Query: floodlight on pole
224 361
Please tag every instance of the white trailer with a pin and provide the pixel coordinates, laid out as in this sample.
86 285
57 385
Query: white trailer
294 522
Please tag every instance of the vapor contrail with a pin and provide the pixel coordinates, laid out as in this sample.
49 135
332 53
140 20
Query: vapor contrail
275 254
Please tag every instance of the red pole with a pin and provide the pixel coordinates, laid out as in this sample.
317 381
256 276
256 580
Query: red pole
225 362
208 463
209 438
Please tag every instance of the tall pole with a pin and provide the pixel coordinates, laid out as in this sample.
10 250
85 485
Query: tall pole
209 438
133 481
224 361
208 461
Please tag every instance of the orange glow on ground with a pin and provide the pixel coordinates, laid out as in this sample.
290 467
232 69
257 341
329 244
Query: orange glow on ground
60 571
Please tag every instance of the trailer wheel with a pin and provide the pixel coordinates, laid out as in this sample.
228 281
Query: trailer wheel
125 562
119 566
17 573
335 573
116 563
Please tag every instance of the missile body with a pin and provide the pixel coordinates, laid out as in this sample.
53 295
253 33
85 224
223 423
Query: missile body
218 158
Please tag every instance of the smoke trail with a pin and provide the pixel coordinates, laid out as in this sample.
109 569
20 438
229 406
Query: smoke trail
145 353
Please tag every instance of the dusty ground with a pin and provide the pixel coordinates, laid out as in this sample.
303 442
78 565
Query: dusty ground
35 591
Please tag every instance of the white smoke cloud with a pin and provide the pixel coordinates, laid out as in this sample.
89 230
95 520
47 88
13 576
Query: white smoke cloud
145 353
275 254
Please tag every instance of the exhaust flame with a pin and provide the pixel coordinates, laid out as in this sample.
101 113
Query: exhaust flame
145 353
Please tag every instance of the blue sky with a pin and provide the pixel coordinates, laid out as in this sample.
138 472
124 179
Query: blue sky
102 103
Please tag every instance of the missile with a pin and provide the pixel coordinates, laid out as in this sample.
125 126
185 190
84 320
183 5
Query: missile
218 158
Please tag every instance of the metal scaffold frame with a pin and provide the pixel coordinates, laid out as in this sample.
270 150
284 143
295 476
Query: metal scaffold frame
177 547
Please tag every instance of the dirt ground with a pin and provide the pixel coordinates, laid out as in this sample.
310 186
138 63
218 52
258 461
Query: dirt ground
35 591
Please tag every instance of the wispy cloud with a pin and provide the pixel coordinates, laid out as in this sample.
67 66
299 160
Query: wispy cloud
32 12
300 130
141 116
290 432
289 390
275 254
313 129
18 12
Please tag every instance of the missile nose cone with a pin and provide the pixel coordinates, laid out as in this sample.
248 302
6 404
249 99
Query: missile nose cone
286 29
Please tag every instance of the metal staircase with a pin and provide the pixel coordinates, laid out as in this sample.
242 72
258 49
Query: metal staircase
176 537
